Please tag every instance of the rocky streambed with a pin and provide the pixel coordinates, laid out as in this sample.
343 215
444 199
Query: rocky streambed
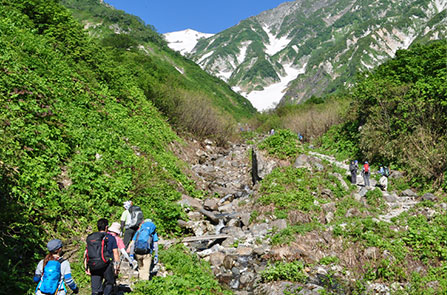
225 232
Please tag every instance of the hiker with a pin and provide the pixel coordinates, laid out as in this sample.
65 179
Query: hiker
53 273
114 230
300 136
383 181
353 168
254 167
101 259
365 173
130 220
144 244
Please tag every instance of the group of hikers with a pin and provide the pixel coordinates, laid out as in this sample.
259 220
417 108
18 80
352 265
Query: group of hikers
103 255
384 171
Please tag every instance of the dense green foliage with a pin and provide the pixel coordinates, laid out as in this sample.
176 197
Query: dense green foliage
283 144
399 115
191 276
293 271
79 135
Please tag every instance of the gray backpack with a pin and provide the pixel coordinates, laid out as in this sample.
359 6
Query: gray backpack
136 216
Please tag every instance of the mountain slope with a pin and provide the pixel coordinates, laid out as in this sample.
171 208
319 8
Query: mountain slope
320 45
119 29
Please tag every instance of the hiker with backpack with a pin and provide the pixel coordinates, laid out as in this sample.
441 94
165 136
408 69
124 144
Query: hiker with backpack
383 181
53 273
101 259
353 169
130 221
143 247
366 173
114 230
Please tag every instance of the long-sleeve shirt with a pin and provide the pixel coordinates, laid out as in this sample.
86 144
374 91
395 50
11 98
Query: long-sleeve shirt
66 277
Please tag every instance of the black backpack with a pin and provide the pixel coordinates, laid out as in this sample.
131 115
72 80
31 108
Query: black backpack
386 171
97 256
136 217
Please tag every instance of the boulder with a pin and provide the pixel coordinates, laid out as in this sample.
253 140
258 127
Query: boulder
279 224
327 193
353 212
429 197
390 198
409 193
329 217
302 161
228 262
211 204
247 278
190 202
245 218
363 192
396 174
244 251
217 258
259 230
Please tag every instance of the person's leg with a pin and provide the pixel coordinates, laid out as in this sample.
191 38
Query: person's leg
144 265
367 179
109 280
96 278
128 235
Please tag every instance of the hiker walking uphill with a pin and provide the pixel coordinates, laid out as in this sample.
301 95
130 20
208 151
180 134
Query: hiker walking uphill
53 273
101 259
114 230
366 173
383 181
254 167
130 220
144 245
353 169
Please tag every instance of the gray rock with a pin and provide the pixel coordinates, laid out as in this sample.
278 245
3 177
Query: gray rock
352 212
234 222
279 224
302 162
329 207
217 258
245 218
318 166
228 208
211 204
261 250
429 197
235 232
247 278
363 192
390 198
244 251
371 252
190 202
409 193
259 230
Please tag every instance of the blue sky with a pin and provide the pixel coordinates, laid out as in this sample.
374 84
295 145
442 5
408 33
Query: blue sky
206 16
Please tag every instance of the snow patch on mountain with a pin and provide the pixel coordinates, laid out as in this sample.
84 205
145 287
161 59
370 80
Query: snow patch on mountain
275 45
243 52
440 5
184 41
271 95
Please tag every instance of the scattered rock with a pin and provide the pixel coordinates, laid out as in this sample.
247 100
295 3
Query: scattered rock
211 204
409 193
302 161
259 229
329 207
396 174
390 198
279 224
217 258
190 202
329 217
429 197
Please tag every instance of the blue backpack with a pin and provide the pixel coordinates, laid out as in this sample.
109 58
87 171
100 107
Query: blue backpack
143 242
51 279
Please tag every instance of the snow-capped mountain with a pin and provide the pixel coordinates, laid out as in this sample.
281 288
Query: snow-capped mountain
314 47
184 41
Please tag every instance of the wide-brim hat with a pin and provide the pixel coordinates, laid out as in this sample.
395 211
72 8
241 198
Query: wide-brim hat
115 228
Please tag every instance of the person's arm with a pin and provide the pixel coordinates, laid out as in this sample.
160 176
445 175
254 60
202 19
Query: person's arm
155 248
38 273
87 270
66 272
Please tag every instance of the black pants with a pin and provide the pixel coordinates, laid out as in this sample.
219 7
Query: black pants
128 235
103 280
353 177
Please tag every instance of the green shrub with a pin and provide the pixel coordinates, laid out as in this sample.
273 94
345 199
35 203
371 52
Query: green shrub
283 144
282 271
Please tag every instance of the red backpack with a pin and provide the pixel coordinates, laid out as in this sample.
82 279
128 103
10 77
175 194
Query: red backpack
366 168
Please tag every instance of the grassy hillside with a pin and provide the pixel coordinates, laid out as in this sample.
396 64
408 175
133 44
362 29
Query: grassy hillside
78 136
126 33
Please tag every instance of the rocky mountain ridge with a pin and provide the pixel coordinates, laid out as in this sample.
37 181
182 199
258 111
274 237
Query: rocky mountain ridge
304 48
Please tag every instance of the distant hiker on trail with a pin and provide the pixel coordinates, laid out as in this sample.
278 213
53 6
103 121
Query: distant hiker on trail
383 181
254 167
114 230
272 131
102 259
365 173
300 136
130 220
353 169
53 273
144 245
